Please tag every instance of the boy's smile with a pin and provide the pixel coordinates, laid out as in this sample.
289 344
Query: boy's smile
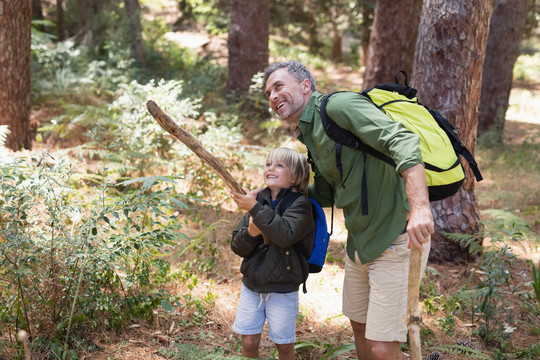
277 176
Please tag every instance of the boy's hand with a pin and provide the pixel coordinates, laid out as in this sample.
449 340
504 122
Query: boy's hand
246 202
253 230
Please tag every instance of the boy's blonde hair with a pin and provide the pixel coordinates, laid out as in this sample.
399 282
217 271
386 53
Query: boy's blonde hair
297 163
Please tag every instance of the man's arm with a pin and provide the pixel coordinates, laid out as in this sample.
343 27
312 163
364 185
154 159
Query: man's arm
420 225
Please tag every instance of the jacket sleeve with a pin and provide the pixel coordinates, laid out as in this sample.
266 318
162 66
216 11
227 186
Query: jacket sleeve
321 190
242 243
355 113
285 230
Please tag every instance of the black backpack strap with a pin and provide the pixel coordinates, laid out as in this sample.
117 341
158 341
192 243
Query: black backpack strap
401 88
345 137
459 147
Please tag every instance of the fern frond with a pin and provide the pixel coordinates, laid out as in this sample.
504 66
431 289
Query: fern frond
462 350
470 241
193 352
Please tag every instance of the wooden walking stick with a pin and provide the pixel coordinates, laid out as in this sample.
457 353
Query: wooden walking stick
193 144
413 312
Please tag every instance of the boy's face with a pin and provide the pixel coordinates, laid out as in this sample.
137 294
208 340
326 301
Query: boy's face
277 175
287 96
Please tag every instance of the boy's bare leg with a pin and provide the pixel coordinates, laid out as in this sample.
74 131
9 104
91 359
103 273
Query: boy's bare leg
250 345
285 351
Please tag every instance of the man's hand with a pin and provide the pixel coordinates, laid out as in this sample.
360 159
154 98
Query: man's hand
420 225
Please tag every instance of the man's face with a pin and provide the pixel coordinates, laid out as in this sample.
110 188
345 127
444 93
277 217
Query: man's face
287 96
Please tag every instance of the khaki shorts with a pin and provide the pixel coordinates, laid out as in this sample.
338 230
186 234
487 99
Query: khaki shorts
375 294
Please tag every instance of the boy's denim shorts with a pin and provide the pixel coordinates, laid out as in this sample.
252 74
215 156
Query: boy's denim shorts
281 310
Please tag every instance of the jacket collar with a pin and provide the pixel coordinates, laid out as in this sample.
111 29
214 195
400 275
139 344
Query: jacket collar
266 196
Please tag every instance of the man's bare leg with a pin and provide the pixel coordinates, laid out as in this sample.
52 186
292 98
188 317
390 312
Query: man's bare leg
373 350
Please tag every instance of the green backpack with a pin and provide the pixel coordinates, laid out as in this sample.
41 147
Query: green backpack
440 145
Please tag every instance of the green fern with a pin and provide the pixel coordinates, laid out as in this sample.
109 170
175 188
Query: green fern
193 352
462 350
470 241
536 281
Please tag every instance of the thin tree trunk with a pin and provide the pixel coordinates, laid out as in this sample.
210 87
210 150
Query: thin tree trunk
133 14
393 40
447 71
505 33
60 20
15 39
367 22
37 10
337 54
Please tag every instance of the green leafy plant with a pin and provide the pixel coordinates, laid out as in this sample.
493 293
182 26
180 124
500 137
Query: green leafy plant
536 281
76 260
490 310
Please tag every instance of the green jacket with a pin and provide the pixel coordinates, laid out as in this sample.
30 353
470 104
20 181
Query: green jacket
369 234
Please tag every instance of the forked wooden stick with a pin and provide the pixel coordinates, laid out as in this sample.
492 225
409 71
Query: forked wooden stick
193 144
413 312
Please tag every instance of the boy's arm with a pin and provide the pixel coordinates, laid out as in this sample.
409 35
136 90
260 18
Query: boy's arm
242 243
289 228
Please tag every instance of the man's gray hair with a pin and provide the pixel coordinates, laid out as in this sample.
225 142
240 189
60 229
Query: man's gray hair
295 68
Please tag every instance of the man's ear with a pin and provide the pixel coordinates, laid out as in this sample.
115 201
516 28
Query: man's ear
306 86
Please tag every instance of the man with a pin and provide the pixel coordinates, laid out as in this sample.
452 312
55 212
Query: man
382 222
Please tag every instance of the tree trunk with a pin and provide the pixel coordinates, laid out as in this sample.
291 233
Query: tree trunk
92 26
505 32
447 71
313 35
15 106
248 42
393 40
37 10
60 20
368 7
133 15
337 54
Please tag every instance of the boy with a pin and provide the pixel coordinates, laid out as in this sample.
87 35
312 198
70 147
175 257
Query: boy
273 248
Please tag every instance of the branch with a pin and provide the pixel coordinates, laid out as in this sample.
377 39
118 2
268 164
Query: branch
193 144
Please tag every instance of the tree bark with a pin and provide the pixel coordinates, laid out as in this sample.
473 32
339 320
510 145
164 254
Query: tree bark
505 33
447 72
37 10
337 54
393 39
368 8
247 43
15 39
60 20
133 15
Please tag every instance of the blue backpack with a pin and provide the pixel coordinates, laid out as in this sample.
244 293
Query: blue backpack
320 243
